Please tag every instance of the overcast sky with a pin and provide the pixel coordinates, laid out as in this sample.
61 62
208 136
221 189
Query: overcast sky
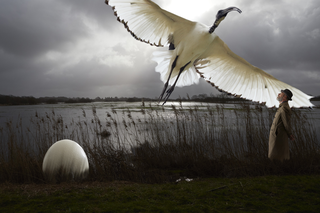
76 48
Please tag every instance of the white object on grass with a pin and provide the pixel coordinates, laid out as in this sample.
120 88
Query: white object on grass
65 159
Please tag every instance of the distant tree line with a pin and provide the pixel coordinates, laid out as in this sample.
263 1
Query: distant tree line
221 98
13 100
29 100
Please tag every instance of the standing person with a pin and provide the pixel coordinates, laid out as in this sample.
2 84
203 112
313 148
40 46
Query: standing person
281 129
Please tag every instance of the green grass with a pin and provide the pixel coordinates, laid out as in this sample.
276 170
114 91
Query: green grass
258 194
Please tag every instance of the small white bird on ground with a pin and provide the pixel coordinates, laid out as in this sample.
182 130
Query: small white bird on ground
193 50
65 159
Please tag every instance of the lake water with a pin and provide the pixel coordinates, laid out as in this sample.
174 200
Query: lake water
71 113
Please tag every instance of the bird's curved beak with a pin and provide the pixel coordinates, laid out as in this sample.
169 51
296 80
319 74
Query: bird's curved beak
229 9
221 15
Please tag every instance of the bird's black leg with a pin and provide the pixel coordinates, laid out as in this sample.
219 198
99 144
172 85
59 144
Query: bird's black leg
166 84
170 90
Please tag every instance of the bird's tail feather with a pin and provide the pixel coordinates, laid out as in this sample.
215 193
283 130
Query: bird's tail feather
163 57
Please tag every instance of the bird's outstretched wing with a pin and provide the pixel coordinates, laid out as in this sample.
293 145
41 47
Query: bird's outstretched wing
148 22
232 74
163 57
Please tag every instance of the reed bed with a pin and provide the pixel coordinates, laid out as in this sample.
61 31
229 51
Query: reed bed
155 144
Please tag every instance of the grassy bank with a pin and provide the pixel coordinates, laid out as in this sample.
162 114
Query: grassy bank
259 194
156 145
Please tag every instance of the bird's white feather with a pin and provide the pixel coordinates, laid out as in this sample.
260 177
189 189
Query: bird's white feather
231 73
146 21
207 53
163 56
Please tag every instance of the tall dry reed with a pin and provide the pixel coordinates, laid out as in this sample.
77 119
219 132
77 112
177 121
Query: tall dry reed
156 144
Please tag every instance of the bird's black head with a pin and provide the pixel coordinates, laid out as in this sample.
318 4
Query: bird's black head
221 15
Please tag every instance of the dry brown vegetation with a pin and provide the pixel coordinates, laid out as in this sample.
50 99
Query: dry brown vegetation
149 146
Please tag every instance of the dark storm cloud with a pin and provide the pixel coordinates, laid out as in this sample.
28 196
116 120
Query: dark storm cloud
30 28
77 48
97 10
280 37
276 35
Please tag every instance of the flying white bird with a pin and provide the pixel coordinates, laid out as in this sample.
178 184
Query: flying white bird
65 159
193 50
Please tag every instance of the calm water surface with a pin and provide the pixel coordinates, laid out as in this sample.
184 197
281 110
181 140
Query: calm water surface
78 112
